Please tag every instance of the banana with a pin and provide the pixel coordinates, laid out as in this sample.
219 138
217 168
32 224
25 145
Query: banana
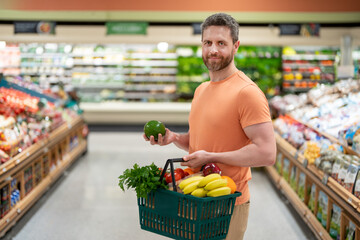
219 192
199 192
189 180
216 184
209 178
191 187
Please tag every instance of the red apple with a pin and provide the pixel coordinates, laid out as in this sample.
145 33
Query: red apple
211 168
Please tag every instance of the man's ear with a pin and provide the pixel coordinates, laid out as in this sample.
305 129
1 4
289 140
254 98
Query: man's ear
236 45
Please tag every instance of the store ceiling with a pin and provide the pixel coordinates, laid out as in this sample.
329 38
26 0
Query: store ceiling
255 11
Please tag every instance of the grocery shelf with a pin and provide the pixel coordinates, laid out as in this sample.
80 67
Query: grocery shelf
298 205
45 161
336 193
330 137
26 203
309 57
11 166
135 112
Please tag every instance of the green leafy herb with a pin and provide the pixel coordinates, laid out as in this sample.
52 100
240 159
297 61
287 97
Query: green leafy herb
142 179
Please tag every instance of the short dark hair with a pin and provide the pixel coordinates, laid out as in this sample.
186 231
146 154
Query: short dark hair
222 19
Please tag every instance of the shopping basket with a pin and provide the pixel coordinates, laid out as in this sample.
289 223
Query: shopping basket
181 216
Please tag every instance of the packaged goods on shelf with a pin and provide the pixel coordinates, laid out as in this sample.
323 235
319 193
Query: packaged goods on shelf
311 203
333 110
293 175
301 188
322 211
335 222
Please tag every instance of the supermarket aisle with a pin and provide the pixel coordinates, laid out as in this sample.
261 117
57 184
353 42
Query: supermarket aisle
87 204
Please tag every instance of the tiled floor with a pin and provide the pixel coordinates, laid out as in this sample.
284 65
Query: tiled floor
86 203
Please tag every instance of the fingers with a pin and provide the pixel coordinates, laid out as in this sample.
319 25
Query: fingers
160 140
146 138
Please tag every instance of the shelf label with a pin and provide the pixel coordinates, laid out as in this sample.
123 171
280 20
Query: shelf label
46 150
137 28
4 170
17 161
39 27
27 154
7 220
325 179
350 200
69 126
18 210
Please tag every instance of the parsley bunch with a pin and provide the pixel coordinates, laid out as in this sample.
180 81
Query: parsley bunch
142 179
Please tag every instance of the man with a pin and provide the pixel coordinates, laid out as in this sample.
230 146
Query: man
229 122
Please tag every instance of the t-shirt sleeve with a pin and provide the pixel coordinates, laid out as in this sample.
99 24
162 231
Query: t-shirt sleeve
253 106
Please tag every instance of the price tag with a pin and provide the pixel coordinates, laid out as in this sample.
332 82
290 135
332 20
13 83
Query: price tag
8 220
4 169
69 125
27 154
17 161
46 150
18 210
325 179
305 163
320 233
350 200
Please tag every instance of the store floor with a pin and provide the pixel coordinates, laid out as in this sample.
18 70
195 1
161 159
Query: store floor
87 204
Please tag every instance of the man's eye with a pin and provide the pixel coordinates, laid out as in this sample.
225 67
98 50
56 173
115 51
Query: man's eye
221 43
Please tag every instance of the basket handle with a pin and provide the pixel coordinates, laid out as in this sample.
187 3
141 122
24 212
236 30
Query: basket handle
171 162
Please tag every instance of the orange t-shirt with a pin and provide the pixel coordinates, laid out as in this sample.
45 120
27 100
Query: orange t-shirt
219 113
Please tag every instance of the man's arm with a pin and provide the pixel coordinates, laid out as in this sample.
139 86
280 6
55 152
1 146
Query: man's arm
181 140
261 151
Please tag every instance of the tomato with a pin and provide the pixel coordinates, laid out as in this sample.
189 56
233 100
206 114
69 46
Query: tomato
180 171
168 177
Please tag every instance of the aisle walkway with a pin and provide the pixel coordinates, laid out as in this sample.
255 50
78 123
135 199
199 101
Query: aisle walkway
87 204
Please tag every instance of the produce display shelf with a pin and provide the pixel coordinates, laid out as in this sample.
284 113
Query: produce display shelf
309 57
38 167
347 198
35 150
298 205
337 194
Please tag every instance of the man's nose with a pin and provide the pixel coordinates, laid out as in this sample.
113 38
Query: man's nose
213 49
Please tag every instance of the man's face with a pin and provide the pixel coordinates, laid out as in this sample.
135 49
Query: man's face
218 49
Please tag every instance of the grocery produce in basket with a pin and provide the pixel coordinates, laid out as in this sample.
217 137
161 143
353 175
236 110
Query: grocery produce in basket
213 185
211 168
154 128
142 179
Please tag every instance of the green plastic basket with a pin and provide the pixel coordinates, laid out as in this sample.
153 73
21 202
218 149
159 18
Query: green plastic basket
181 216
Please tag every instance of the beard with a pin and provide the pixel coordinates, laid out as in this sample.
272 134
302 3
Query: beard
217 66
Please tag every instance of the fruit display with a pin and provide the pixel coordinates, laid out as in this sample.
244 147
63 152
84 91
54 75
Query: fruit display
154 128
25 120
306 67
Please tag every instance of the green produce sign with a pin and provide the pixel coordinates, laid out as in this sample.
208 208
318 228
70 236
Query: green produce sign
126 28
